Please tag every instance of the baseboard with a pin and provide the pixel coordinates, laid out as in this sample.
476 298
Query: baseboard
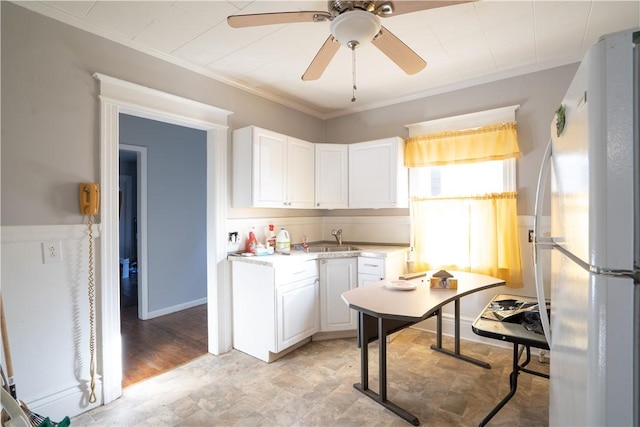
275 356
320 336
57 406
175 308
466 333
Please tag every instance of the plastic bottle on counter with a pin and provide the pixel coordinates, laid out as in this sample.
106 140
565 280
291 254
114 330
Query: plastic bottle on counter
271 239
252 243
283 241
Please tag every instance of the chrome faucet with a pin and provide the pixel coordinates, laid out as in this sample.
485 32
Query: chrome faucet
338 235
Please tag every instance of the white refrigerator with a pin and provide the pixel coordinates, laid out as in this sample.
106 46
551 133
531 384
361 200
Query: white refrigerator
592 163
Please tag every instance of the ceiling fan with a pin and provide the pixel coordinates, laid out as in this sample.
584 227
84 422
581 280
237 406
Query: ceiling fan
353 24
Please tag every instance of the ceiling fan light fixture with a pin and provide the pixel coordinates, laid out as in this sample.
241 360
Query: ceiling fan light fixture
355 26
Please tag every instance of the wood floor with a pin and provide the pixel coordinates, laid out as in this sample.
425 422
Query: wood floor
151 347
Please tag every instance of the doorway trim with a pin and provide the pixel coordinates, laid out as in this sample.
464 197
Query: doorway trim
119 96
141 241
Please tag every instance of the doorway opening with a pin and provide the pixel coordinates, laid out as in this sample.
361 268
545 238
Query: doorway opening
118 96
128 225
162 245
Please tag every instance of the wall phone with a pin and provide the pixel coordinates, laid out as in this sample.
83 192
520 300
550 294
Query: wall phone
89 197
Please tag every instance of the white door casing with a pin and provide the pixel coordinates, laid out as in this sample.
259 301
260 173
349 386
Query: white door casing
141 205
119 96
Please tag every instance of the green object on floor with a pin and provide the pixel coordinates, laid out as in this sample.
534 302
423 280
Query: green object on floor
48 423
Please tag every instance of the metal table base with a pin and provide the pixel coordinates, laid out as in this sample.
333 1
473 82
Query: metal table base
456 337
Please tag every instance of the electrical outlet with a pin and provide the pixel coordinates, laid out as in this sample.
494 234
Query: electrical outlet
233 244
51 252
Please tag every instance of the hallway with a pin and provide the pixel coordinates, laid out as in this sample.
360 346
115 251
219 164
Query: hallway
151 347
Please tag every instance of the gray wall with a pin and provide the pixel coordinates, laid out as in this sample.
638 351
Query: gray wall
50 142
50 114
538 94
176 209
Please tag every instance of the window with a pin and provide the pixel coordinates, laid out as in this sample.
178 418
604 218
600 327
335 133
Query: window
463 201
467 179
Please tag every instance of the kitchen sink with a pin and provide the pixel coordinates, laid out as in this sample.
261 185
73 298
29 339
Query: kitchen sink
325 248
341 248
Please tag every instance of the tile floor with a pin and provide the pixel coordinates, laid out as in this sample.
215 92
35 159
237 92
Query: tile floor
313 386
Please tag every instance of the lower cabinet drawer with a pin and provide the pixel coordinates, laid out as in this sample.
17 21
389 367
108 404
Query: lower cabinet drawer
294 271
374 266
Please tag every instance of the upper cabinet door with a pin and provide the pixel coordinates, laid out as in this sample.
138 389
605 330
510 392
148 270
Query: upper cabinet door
377 175
300 176
332 176
271 170
259 168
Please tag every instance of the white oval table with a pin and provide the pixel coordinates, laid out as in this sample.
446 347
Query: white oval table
383 311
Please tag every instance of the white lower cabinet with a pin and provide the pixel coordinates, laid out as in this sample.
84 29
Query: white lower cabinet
278 307
372 270
274 307
297 306
337 275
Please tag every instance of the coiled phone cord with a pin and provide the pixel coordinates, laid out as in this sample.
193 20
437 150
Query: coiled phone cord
92 326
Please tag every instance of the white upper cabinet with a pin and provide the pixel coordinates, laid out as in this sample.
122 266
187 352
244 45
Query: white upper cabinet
271 170
377 175
332 176
300 173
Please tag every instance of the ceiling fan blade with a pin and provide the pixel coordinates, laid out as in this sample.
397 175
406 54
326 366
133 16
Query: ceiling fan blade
398 7
398 52
322 59
257 19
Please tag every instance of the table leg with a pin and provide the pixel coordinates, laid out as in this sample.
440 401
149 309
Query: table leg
363 386
382 360
364 359
513 386
456 338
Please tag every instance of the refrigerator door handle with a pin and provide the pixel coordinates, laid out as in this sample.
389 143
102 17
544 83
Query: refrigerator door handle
539 243
600 271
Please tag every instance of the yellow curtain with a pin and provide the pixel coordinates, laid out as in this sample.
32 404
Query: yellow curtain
476 234
493 142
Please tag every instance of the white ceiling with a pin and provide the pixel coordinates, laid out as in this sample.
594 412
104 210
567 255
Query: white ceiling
463 45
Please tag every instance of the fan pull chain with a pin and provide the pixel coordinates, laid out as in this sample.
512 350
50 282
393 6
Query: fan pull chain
353 67
92 326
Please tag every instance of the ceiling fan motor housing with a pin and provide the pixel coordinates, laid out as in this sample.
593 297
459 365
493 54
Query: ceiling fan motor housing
355 27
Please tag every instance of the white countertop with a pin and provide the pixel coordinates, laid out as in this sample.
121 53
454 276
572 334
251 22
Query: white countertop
366 250
416 304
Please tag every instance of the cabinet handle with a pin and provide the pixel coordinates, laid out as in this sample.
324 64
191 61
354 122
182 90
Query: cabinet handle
299 272
371 265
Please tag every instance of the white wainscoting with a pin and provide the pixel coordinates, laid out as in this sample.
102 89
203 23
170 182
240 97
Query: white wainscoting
47 312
